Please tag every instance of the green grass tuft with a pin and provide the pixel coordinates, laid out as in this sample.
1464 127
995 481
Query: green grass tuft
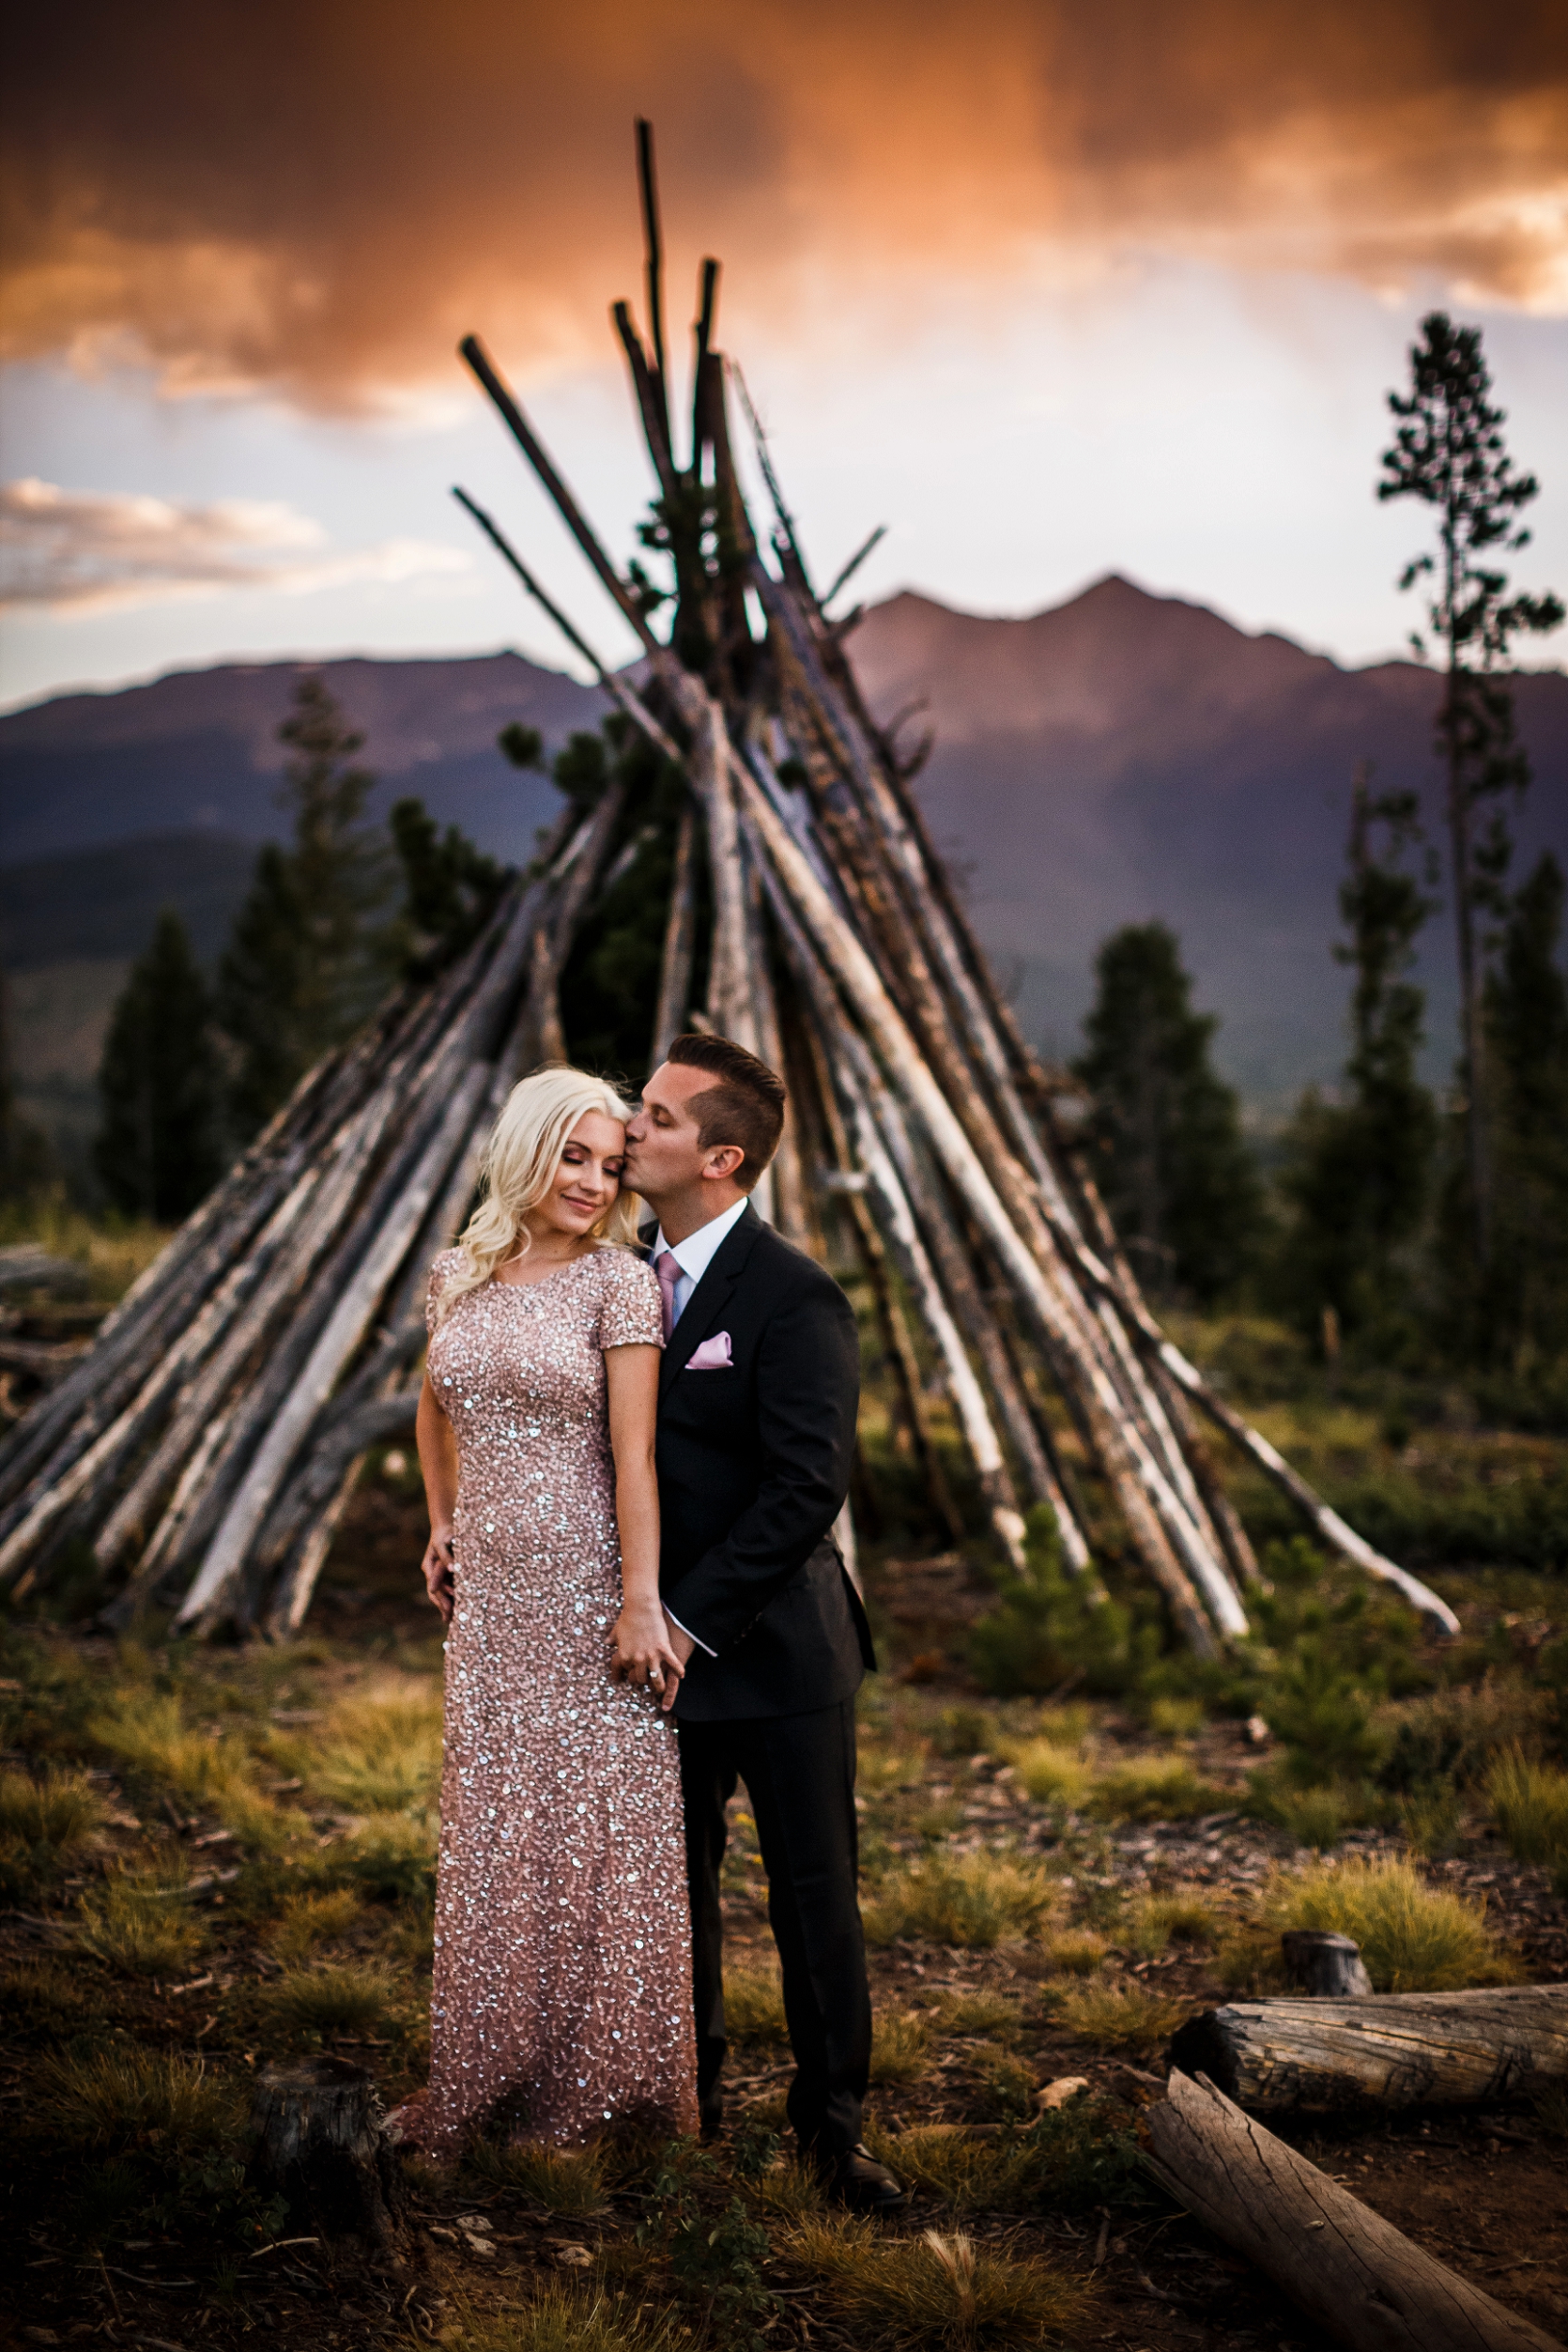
139 1923
901 2049
45 1826
561 2180
127 2095
979 2013
1051 1773
308 1920
340 2000
936 2290
970 1900
562 2319
380 1753
1183 1915
1414 1937
1153 1788
1121 2016
1530 1804
754 2005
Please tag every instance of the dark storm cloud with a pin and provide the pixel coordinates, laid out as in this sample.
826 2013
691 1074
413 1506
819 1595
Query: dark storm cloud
318 198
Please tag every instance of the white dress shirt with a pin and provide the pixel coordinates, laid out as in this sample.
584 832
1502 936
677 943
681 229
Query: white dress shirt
694 1255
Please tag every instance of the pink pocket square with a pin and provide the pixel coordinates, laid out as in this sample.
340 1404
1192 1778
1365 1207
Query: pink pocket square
713 1355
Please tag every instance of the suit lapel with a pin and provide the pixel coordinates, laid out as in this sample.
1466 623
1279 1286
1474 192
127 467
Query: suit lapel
711 1298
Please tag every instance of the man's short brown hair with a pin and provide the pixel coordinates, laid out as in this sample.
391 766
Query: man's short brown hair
744 1104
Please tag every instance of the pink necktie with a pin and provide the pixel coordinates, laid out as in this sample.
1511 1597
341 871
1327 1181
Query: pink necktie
668 1274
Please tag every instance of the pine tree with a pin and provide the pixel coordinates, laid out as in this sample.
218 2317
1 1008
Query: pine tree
1448 451
1526 1012
306 959
450 890
1358 1174
160 1148
1165 1132
26 1159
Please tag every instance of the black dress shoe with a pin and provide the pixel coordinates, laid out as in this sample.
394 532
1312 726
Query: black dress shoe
856 2180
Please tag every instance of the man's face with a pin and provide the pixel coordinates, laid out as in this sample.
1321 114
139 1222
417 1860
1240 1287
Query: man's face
663 1154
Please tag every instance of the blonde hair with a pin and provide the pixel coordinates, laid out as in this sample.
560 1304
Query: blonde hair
520 1162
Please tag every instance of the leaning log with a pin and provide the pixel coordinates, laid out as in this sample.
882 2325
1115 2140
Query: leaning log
1399 2048
1358 2277
319 2141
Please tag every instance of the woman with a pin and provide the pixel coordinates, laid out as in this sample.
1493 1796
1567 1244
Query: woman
561 2000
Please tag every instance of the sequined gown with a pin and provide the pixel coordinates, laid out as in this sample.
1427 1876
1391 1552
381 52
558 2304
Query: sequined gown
562 1999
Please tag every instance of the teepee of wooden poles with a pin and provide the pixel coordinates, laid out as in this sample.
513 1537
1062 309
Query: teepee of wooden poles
206 1446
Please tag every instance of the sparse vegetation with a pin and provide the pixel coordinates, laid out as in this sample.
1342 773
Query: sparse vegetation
138 1922
1120 2016
936 2290
966 1900
1414 1937
560 2181
45 1824
348 1998
1530 1803
754 2005
900 2046
115 2098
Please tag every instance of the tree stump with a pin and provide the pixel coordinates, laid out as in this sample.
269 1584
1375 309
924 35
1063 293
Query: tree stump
1326 1965
319 2142
1353 2273
1401 2048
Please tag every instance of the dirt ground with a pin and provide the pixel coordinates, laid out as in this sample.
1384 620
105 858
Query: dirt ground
1486 2190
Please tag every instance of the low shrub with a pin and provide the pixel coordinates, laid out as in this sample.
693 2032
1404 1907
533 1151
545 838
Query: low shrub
1315 1817
1051 1775
45 1824
1183 1915
1007 2083
1531 1805
936 2290
1176 1719
979 2013
308 1920
973 1899
1414 1937
1049 1625
1120 2016
560 2180
1455 1736
1076 1952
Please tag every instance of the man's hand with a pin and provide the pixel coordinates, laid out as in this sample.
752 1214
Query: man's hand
438 1569
646 1652
679 1641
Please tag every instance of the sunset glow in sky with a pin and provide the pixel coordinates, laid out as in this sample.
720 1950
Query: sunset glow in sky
1050 289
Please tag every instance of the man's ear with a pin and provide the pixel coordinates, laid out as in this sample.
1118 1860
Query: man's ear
723 1161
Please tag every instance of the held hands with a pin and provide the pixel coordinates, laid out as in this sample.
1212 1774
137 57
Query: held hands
645 1651
439 1568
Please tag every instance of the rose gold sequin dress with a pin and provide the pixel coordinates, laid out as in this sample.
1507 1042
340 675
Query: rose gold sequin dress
562 1999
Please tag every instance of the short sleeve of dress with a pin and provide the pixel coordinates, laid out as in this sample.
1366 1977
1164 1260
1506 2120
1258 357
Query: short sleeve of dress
441 1270
631 1311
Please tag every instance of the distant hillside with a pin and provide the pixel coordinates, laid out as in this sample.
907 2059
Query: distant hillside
1126 755
1118 756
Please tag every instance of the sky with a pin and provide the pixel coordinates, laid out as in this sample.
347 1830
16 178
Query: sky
1049 289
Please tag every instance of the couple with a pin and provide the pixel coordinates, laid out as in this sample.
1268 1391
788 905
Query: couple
632 1472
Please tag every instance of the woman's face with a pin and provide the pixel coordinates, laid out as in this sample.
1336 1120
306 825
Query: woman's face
586 1178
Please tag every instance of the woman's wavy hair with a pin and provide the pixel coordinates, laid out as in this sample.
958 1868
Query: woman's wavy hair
520 1160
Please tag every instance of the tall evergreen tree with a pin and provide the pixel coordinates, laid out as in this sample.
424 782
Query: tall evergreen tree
1165 1133
26 1160
159 1147
1448 451
1359 1173
1526 1010
450 890
306 959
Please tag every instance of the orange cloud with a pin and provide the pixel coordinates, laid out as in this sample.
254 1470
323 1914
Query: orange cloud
319 195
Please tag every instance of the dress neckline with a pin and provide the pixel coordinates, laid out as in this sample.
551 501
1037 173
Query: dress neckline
570 1268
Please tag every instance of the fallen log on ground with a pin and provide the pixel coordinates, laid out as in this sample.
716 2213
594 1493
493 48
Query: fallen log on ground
1359 2278
1400 2049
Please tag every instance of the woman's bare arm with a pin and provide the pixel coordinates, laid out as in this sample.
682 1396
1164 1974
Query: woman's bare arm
642 1650
437 1460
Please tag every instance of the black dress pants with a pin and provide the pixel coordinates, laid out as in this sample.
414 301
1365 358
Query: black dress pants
799 1773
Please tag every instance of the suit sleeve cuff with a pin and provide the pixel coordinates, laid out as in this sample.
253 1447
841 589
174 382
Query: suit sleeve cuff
690 1635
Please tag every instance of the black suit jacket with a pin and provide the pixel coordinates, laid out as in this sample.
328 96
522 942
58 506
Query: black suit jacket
754 1465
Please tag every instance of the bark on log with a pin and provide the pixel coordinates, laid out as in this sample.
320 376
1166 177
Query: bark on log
680 939
1350 2272
319 2142
1400 2049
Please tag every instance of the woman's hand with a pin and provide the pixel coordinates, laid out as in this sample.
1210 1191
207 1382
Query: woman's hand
642 1650
438 1569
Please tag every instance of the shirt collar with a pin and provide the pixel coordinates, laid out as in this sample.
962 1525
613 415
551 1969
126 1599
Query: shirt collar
696 1254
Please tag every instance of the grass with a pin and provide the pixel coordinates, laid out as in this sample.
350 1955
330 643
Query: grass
980 2011
1317 1818
1530 1802
1053 1774
1176 1719
754 2005
1076 1952
116 2098
48 1997
560 2180
46 1824
970 2173
137 1924
970 1900
878 1770
1007 2083
561 2319
1153 1788
1121 2016
1414 1937
307 1920
1183 1915
901 2049
381 1752
335 2000
936 2290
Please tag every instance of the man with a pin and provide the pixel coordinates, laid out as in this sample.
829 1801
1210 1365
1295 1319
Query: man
758 1393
